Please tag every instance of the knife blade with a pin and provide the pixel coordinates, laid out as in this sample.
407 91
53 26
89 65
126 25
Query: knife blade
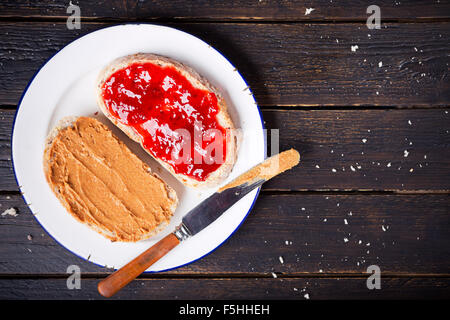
201 217
214 206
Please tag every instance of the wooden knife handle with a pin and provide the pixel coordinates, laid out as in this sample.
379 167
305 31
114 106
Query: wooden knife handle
119 279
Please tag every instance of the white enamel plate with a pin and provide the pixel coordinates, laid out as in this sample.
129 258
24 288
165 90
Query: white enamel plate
65 86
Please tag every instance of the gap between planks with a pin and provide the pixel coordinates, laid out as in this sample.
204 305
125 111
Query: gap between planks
244 19
213 275
305 107
342 192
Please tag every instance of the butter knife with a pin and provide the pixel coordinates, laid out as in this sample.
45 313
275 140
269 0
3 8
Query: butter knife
200 217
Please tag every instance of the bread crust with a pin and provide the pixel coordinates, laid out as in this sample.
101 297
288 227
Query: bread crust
214 178
67 122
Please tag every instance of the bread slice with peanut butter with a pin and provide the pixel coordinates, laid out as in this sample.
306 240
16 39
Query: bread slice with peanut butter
103 184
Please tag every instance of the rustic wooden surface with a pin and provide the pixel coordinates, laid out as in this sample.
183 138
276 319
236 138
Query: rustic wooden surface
207 10
405 234
355 200
285 64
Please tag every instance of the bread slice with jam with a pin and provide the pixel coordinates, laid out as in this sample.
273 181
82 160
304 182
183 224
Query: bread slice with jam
152 99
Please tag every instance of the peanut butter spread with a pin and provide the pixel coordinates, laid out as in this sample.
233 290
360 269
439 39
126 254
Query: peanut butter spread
267 169
104 185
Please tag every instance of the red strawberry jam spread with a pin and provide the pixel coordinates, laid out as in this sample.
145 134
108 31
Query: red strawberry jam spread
158 100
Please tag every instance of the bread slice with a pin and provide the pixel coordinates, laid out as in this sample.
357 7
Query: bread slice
214 178
79 168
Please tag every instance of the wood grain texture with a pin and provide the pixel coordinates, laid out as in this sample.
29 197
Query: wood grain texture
284 64
306 229
366 148
228 10
313 234
226 288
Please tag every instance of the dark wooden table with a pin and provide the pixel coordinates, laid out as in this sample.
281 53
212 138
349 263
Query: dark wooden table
372 126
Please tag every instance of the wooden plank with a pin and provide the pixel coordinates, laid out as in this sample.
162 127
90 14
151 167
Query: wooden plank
284 64
313 234
226 288
393 150
369 149
222 10
7 180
